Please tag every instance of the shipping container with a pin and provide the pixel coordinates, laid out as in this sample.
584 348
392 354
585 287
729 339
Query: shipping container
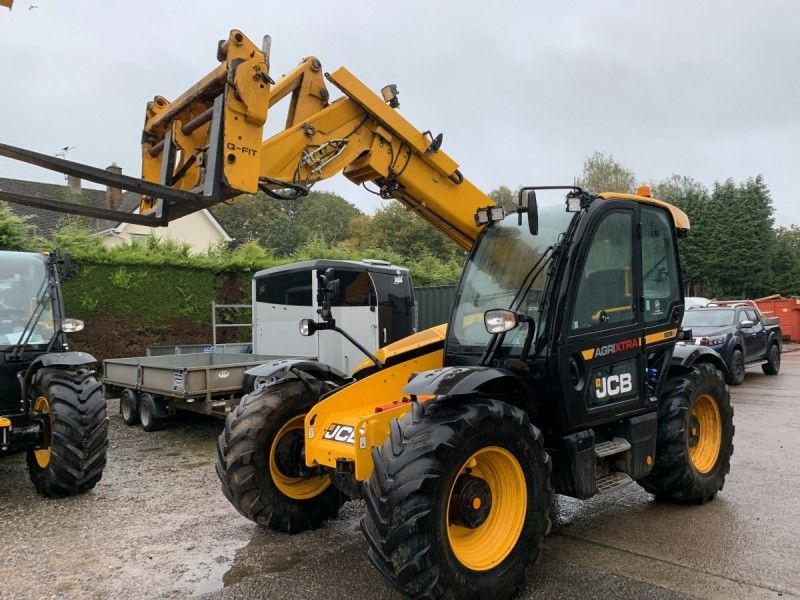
788 312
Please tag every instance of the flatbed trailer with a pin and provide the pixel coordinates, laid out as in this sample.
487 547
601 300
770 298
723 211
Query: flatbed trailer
207 383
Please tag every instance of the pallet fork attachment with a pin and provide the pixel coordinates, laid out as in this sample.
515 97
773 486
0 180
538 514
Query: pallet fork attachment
201 149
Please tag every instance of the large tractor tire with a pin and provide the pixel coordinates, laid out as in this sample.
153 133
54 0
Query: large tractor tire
773 364
261 460
695 437
459 502
73 457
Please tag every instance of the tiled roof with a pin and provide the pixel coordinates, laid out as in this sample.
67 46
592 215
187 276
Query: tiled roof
45 222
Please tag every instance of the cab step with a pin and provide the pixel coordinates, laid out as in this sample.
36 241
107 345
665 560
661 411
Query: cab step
612 481
615 446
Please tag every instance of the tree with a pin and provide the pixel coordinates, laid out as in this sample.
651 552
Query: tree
283 226
397 229
786 261
503 196
601 173
14 230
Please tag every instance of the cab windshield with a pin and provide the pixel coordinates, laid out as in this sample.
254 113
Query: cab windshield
496 271
23 290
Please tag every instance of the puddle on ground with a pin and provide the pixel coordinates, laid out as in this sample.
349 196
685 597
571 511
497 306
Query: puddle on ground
228 565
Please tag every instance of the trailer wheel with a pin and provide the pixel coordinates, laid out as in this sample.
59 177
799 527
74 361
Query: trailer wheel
261 461
148 413
695 437
73 454
129 407
459 502
773 364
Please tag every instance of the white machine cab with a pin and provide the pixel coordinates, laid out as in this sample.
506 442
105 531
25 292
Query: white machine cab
375 305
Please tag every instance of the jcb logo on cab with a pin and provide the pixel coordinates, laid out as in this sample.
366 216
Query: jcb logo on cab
613 385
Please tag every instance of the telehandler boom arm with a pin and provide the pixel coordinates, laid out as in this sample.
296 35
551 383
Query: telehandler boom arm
206 147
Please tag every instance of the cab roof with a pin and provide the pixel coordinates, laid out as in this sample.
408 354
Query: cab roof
368 265
678 216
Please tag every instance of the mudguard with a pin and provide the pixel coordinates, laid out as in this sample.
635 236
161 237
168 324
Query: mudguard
62 359
683 357
278 370
457 381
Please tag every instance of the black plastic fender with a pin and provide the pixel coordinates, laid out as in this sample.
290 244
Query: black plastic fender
63 359
462 381
684 356
278 370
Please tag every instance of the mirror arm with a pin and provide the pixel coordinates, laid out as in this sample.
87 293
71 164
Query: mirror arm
355 343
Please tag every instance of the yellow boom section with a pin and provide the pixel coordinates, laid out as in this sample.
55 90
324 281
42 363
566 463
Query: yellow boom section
212 136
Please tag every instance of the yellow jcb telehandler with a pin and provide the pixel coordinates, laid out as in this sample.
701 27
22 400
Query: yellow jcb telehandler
558 371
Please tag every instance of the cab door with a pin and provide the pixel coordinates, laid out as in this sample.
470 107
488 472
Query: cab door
600 360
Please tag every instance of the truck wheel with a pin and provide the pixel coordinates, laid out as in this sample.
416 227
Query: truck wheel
458 504
148 413
129 407
773 364
737 367
261 460
73 456
695 437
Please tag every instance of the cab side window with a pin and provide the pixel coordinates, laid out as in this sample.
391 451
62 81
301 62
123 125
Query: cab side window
605 290
661 285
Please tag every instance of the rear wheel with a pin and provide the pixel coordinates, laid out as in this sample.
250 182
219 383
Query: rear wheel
129 407
73 454
459 501
737 367
149 413
773 364
261 460
695 437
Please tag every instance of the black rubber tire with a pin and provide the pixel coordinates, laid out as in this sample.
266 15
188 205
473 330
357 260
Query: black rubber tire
243 459
78 433
148 413
406 498
773 364
129 407
673 477
737 367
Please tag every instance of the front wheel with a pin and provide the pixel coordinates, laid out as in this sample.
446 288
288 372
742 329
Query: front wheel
773 364
129 407
458 504
73 454
695 437
261 460
737 367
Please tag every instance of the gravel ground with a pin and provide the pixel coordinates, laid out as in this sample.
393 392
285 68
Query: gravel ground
157 526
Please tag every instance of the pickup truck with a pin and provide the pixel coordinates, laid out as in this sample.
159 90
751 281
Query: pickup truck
739 333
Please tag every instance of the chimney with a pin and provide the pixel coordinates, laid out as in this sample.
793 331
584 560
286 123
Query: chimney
74 184
114 195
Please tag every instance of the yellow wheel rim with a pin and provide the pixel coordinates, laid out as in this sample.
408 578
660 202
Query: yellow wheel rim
299 488
486 546
42 455
705 434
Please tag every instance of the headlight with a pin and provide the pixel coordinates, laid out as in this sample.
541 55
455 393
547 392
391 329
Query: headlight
711 341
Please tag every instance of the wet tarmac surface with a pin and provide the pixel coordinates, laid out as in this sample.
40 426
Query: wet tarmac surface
157 526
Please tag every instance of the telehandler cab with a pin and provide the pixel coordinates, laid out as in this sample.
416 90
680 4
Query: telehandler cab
557 372
51 404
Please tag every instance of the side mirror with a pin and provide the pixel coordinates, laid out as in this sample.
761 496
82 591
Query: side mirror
71 325
528 204
500 320
747 324
327 292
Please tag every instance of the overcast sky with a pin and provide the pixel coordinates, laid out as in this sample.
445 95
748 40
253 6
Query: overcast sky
522 91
